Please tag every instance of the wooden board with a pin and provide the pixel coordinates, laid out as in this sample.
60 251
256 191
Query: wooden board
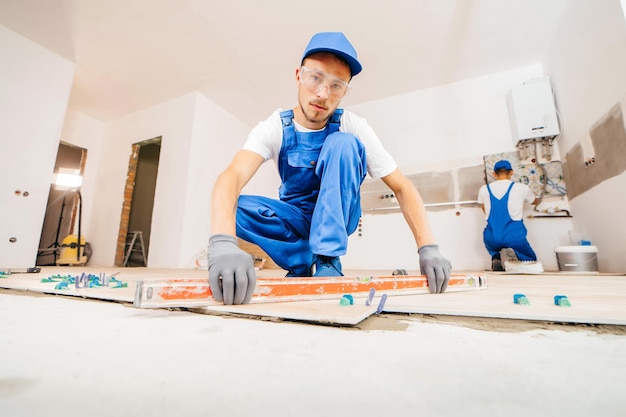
595 299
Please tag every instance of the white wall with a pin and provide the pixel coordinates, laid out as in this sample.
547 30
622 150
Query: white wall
442 129
587 64
34 90
435 128
198 141
216 136
172 121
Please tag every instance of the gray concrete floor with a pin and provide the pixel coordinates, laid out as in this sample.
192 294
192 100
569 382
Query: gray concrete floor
65 356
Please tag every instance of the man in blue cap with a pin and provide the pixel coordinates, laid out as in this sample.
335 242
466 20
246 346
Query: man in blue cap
322 154
503 204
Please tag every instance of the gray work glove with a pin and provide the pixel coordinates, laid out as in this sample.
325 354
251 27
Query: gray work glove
435 267
231 270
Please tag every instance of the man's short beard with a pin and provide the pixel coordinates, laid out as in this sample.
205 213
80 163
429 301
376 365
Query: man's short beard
309 119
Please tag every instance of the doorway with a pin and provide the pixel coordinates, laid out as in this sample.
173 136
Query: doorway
61 209
138 204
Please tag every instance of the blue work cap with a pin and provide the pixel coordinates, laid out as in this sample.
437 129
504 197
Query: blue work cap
503 164
334 43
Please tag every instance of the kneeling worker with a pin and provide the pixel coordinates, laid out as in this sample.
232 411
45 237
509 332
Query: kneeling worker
322 154
502 202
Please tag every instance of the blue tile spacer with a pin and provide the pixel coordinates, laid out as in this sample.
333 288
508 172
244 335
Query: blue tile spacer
520 299
346 300
381 304
82 281
562 301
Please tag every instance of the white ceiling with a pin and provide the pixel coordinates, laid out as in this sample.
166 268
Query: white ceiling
242 54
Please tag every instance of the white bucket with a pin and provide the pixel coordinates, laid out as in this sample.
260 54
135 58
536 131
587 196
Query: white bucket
577 258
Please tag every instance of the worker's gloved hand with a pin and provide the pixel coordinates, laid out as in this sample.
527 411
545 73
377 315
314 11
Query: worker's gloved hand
435 267
231 270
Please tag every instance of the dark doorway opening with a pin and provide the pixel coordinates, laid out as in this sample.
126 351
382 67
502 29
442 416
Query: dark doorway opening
133 243
61 209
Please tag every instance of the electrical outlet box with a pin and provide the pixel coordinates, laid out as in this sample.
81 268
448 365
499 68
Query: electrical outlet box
532 111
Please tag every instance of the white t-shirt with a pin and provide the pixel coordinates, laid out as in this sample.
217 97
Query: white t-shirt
519 194
266 139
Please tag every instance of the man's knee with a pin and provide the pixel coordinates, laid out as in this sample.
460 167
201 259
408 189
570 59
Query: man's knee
340 141
343 149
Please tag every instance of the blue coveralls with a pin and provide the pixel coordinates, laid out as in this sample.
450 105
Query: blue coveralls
319 204
504 232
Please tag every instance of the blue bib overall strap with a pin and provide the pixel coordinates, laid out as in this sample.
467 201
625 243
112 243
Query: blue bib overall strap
298 157
319 205
504 232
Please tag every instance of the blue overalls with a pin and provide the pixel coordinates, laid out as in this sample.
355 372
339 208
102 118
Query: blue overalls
319 204
504 232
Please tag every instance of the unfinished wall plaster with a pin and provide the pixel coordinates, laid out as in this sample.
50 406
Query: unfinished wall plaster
460 186
608 139
469 181
439 190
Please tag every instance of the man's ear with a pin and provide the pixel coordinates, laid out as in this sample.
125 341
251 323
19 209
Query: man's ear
298 70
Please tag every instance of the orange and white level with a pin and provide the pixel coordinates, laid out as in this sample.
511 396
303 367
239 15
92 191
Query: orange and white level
196 292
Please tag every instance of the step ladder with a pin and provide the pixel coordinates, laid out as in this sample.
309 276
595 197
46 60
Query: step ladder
134 243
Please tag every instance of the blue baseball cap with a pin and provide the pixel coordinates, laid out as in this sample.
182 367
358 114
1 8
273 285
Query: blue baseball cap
334 43
503 164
